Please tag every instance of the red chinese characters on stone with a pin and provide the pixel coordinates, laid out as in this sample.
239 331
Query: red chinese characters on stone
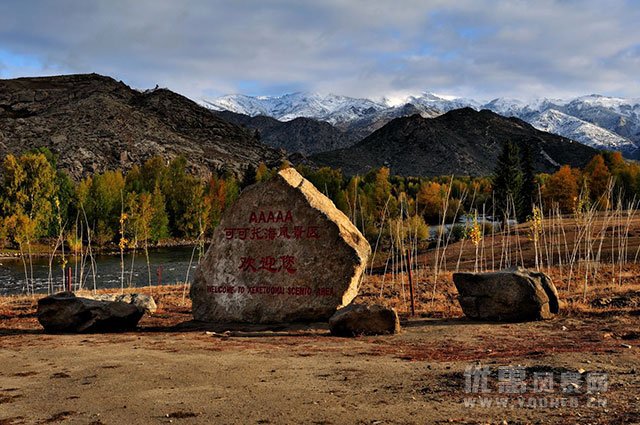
248 264
269 264
312 232
282 228
288 263
272 233
284 263
243 233
284 233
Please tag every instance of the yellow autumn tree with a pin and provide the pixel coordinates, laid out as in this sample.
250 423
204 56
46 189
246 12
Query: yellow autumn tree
562 188
429 198
597 176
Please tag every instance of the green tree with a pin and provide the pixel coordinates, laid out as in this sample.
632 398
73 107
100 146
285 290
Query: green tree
155 170
159 225
26 197
263 173
28 187
103 204
177 189
141 214
194 219
216 197
529 191
249 176
507 181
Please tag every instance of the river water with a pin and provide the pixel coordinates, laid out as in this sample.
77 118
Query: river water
168 266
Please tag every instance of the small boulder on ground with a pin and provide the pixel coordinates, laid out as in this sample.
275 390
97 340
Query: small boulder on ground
507 295
360 319
146 303
64 312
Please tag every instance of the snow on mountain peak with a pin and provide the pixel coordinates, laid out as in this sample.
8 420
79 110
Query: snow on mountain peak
554 121
599 121
330 107
609 102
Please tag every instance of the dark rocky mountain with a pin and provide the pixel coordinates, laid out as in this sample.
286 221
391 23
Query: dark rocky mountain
461 142
360 128
300 135
93 123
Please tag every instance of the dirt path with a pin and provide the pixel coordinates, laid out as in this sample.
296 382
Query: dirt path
303 375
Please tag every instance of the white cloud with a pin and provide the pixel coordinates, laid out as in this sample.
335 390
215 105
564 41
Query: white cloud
370 48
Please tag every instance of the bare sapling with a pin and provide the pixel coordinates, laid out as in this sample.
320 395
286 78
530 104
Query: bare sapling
92 261
123 241
517 237
379 237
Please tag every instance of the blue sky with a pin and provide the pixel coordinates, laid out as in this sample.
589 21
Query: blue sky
474 48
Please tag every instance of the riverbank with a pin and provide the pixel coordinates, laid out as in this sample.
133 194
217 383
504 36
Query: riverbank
166 266
44 250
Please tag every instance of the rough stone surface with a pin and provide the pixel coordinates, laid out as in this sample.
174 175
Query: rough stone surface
282 253
64 312
360 319
509 295
93 123
145 303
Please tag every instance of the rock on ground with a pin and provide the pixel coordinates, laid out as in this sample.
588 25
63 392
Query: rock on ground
360 319
507 295
64 312
145 303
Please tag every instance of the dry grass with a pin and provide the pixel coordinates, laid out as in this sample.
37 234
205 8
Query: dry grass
392 289
589 256
603 298
610 285
445 304
519 239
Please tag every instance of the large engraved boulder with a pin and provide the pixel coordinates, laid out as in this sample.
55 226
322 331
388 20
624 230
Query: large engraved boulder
282 253
507 295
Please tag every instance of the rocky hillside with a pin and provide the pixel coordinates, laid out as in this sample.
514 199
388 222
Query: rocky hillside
461 142
300 135
93 123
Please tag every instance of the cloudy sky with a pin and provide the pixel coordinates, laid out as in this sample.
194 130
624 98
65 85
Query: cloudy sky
368 48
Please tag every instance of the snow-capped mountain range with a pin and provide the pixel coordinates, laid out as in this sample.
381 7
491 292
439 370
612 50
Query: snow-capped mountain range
331 108
598 121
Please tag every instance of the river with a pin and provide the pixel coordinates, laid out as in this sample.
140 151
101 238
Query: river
168 266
